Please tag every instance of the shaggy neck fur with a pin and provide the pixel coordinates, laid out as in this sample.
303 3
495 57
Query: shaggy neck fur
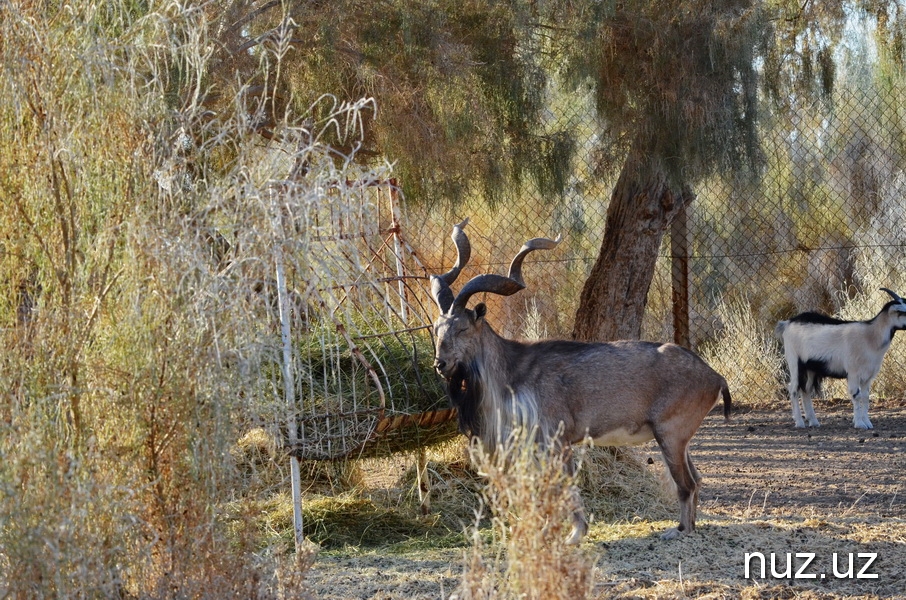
490 406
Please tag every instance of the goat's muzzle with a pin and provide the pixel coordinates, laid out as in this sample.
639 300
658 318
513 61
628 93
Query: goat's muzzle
443 369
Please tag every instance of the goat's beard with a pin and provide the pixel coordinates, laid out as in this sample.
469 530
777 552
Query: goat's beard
464 390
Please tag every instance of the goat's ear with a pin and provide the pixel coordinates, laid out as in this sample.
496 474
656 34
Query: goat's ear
481 310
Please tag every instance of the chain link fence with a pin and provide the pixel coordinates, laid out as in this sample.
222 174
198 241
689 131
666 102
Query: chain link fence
821 227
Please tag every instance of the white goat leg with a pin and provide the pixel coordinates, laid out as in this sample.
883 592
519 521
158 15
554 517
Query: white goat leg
580 521
794 404
806 403
860 406
807 394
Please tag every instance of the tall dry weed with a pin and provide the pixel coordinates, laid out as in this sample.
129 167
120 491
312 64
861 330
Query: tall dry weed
133 346
747 355
530 497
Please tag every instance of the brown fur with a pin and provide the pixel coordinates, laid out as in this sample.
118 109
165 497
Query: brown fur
615 393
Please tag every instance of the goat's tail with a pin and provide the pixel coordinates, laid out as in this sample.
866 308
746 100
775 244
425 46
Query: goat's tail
728 403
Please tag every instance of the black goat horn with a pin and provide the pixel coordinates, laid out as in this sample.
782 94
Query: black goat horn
440 284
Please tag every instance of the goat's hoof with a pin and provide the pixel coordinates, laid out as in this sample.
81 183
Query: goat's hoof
672 534
814 423
864 425
800 424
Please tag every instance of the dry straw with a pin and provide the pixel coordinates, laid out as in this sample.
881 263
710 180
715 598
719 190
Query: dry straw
530 497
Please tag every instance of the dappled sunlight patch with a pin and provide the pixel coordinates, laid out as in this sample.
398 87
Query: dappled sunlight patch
354 520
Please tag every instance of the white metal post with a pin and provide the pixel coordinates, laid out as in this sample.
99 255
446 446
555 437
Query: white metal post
289 392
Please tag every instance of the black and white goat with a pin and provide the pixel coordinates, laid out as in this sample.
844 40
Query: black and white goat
614 393
818 346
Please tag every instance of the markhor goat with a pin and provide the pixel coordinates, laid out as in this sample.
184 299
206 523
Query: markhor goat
817 346
616 393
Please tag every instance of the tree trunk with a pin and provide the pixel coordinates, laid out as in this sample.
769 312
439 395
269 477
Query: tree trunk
616 291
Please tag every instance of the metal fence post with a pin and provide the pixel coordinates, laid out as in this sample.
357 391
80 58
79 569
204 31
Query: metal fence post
289 391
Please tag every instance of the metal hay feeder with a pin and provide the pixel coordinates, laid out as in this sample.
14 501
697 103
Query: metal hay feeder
362 350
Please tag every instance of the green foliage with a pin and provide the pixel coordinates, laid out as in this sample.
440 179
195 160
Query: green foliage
459 86
675 81
330 369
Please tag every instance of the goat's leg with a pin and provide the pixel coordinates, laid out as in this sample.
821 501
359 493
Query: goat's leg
793 388
580 522
676 458
696 476
794 404
811 387
860 396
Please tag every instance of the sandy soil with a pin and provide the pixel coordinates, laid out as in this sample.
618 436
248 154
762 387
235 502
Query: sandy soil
768 488
761 460
774 489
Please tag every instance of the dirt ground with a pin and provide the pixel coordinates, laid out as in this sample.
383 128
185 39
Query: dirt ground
761 461
769 489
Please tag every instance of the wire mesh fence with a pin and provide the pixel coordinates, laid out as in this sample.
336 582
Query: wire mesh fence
820 227
363 351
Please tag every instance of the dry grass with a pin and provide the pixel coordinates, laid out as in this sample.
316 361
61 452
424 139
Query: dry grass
628 556
712 563
530 498
747 355
625 484
136 222
630 561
